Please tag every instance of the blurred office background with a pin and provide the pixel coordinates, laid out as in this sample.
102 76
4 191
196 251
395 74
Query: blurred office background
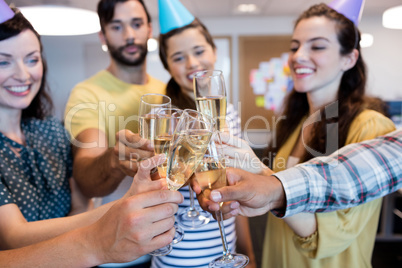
247 33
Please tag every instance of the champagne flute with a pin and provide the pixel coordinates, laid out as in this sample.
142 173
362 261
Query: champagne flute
186 150
211 175
193 217
150 104
210 96
166 120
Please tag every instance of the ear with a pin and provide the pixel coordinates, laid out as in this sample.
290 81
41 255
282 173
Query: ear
102 37
150 30
215 54
350 60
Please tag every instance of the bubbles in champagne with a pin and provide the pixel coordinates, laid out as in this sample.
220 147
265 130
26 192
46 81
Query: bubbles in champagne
214 106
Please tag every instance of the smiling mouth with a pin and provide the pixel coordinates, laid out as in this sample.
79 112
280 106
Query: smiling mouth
18 90
303 71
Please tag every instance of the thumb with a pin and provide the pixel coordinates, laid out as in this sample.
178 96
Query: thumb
145 166
229 193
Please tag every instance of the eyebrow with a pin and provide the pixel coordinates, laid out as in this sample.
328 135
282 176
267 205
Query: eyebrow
312 39
5 55
10 56
132 20
176 54
179 52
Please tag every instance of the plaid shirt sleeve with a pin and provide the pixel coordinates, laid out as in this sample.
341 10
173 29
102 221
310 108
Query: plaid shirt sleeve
353 175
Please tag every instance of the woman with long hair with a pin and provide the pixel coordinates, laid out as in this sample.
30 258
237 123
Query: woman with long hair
41 212
326 110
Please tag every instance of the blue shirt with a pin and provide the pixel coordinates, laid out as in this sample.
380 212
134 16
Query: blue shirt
200 246
35 176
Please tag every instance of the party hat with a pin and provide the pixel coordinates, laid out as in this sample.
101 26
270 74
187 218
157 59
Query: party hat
351 9
173 15
5 12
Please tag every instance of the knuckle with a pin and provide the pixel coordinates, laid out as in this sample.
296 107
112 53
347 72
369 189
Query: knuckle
164 195
170 209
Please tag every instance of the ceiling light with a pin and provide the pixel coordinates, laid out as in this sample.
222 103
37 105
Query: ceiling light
152 44
60 20
392 18
247 8
366 40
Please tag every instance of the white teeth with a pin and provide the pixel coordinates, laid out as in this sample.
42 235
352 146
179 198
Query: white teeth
304 71
18 89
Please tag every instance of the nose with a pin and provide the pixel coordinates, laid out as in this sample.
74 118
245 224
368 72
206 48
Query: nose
129 34
21 72
192 62
300 54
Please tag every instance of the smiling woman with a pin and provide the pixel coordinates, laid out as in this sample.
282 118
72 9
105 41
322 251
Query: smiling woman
37 191
21 71
327 108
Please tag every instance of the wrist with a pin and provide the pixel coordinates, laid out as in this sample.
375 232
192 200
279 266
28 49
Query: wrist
278 197
266 171
84 243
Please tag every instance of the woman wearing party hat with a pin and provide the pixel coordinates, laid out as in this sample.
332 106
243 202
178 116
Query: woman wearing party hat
187 47
40 224
326 110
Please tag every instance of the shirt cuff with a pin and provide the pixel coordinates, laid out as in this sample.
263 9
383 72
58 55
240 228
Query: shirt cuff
296 187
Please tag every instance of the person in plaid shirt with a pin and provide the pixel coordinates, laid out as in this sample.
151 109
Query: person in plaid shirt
353 175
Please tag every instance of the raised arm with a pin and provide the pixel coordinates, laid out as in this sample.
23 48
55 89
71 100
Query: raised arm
133 227
16 232
368 170
99 169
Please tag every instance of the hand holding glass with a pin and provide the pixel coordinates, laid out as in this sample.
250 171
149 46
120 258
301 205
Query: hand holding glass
211 175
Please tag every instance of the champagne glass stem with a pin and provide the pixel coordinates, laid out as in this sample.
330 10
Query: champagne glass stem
192 211
226 253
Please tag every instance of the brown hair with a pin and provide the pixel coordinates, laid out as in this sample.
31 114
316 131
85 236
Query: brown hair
351 94
173 90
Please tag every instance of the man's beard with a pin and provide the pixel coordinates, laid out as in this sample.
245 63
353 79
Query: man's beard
117 54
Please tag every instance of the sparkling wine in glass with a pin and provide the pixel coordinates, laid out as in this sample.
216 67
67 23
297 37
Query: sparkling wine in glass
165 125
150 104
210 96
188 146
211 175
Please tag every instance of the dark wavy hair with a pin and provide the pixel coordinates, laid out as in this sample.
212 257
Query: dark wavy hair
180 100
42 105
351 93
106 8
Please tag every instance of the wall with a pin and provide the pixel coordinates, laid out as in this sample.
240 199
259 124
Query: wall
66 55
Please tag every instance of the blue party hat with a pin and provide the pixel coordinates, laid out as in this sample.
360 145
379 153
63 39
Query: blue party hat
173 15
5 12
351 9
